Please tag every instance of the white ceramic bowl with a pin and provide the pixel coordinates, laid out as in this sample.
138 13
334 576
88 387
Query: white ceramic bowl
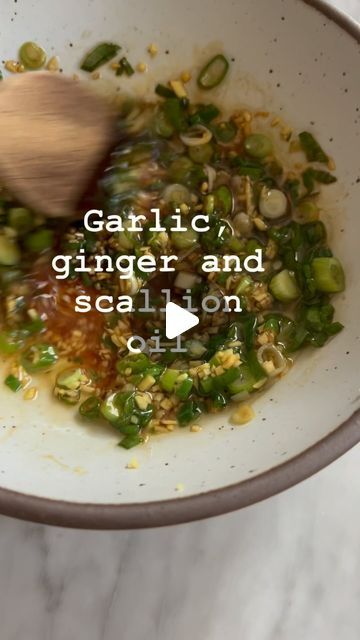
295 57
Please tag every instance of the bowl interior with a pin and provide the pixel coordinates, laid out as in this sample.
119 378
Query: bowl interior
286 62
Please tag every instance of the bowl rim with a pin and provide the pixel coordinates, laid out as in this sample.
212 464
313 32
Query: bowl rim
202 505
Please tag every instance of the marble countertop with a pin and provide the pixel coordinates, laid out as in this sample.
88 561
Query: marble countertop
285 569
288 568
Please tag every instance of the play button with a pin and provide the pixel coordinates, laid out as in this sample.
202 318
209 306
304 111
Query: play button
178 320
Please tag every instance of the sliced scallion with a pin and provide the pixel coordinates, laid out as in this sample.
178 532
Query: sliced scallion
188 412
13 383
39 357
125 67
21 220
213 72
257 145
164 92
32 55
201 154
184 239
328 274
273 203
225 132
313 151
39 240
98 56
283 286
9 252
130 441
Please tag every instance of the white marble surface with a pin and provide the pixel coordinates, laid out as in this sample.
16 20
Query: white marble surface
286 569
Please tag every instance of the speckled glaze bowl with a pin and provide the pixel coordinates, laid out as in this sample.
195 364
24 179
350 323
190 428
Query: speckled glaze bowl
301 60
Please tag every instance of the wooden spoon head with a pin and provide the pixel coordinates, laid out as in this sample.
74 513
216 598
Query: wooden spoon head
54 133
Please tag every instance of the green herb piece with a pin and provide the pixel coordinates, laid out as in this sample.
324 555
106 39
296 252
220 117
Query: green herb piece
125 67
225 132
136 362
244 382
314 325
162 126
90 408
292 188
312 149
39 240
131 441
213 73
218 234
164 92
175 114
206 386
204 114
311 176
182 170
223 381
187 413
184 388
11 342
315 232
218 401
128 411
39 357
155 371
254 365
99 56
252 168
35 325
13 383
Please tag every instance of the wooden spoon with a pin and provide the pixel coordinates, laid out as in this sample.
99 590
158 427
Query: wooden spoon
54 133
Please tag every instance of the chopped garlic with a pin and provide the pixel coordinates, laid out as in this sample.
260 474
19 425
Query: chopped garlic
269 366
141 67
142 401
53 64
133 464
260 224
153 49
178 88
185 77
13 66
243 414
31 393
146 383
275 122
184 209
